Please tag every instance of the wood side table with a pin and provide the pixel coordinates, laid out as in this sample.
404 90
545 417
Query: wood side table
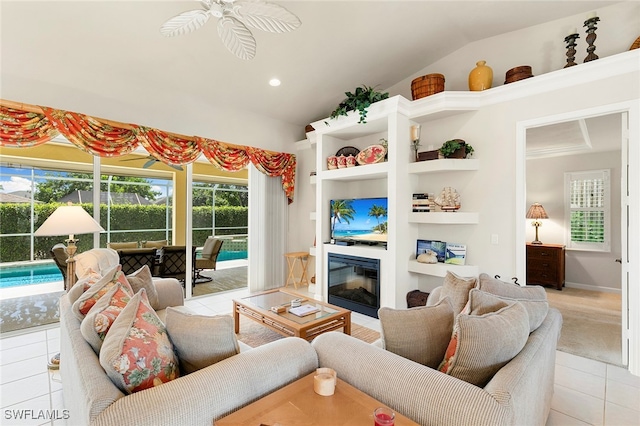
292 259
298 404
546 264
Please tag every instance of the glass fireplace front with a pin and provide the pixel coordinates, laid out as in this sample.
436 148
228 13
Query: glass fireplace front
354 283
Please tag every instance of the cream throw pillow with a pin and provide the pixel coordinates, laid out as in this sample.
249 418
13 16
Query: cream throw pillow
142 278
420 334
485 337
457 290
200 340
532 297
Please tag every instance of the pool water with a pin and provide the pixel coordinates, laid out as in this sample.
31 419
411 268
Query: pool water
232 255
14 276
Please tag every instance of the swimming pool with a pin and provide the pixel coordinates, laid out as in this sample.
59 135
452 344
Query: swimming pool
232 255
18 275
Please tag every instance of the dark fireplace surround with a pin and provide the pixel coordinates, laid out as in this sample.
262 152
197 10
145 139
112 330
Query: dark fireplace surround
354 283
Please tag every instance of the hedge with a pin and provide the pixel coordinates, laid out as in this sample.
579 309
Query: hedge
15 218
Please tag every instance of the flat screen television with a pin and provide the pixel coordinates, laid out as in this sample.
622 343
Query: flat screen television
359 219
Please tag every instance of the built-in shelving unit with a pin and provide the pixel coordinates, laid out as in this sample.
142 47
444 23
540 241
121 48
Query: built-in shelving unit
440 269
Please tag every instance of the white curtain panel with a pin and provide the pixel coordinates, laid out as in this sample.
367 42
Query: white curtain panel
268 210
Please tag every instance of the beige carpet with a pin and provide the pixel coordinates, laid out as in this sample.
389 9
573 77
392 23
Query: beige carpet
254 334
591 323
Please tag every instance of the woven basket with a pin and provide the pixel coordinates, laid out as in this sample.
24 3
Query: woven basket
427 85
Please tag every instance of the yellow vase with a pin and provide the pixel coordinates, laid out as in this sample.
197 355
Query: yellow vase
481 77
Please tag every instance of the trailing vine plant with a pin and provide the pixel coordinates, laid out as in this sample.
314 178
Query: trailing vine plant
359 101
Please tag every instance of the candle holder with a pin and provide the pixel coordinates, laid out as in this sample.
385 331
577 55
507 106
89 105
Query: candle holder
591 38
571 49
415 140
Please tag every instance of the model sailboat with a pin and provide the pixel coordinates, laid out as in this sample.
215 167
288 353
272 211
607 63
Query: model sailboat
448 200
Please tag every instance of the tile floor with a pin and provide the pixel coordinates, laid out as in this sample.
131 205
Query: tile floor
587 392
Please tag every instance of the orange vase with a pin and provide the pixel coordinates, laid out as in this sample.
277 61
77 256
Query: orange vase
481 77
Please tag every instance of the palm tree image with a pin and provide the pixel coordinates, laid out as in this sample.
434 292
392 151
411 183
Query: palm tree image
341 210
378 212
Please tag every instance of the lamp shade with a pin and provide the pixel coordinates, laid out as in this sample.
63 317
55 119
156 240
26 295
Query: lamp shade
536 211
68 220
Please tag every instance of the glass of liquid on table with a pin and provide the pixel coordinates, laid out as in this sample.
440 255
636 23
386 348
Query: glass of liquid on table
383 417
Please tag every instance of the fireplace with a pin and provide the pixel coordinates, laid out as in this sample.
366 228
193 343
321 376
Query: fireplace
354 283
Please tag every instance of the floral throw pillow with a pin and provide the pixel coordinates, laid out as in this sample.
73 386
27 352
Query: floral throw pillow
137 353
85 302
83 284
98 321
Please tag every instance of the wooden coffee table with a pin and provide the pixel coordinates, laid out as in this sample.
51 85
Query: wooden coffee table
297 404
257 308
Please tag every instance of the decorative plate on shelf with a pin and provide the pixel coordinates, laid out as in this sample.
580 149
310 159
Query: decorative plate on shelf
347 151
371 155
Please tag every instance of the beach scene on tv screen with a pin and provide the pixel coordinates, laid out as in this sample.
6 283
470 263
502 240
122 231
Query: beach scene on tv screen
360 219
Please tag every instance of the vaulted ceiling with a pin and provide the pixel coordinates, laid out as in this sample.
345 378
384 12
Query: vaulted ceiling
114 49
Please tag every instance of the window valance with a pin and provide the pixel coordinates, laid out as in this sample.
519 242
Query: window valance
28 125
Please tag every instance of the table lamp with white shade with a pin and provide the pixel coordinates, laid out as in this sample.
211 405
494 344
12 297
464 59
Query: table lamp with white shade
69 220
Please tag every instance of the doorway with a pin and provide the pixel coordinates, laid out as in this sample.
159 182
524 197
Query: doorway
577 141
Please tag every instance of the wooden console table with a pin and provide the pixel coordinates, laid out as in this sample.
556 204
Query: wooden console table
545 264
298 404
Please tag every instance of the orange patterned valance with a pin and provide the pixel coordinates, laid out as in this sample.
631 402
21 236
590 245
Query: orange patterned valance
28 125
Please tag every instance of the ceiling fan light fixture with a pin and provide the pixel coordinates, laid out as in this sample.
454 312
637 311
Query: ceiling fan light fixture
234 17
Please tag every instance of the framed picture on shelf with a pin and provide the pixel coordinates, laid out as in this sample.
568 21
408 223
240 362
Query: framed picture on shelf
455 254
439 247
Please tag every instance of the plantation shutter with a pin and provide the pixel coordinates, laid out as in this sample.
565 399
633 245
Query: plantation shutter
587 216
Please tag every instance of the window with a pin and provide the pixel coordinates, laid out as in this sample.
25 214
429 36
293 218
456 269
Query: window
588 210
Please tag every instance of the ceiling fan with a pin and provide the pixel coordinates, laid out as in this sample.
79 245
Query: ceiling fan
233 19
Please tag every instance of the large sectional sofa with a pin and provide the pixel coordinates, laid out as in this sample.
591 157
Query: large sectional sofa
194 399
518 394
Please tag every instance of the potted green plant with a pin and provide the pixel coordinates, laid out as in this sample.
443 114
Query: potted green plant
359 101
456 148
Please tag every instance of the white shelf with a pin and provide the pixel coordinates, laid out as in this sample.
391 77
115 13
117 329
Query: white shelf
374 252
452 218
444 165
369 171
440 269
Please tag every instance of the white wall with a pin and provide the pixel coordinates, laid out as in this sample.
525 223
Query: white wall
185 114
541 46
545 184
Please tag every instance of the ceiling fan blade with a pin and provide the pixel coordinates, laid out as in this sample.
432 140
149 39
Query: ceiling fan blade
185 23
268 17
237 38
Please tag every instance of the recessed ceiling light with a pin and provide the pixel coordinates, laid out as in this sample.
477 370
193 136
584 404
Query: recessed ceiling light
274 82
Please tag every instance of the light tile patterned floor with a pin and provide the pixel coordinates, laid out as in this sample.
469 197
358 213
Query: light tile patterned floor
587 392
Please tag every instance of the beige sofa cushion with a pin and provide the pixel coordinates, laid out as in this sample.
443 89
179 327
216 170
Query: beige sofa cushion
142 278
155 244
137 353
420 334
457 290
533 298
485 337
120 246
96 324
200 340
98 260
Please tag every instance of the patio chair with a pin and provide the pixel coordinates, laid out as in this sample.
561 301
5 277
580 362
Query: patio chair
173 262
59 255
134 259
210 253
